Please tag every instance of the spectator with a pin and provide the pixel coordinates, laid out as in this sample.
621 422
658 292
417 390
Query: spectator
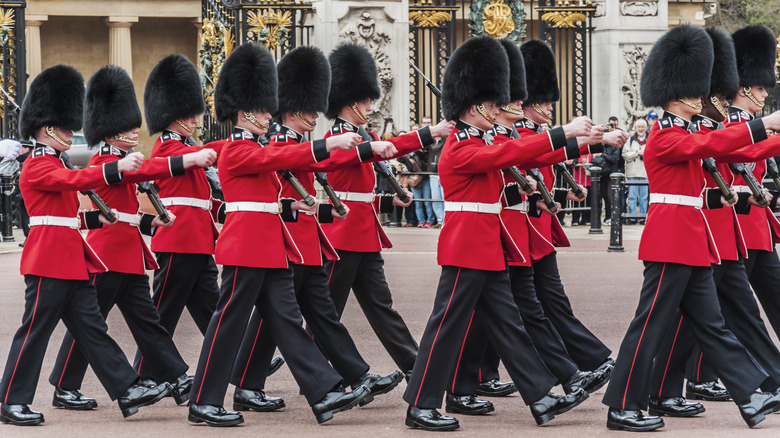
582 176
652 118
433 180
633 154
610 161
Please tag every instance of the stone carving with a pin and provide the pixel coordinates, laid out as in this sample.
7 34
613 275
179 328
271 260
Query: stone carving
638 8
363 31
635 58
216 45
601 9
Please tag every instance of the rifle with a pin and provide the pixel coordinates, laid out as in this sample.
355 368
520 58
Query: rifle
307 198
101 205
772 171
384 170
514 172
546 196
153 192
709 165
575 188
428 82
322 178
751 181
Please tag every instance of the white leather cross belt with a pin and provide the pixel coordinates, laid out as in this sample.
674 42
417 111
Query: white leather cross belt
368 198
260 207
688 201
56 221
132 219
189 202
521 207
476 207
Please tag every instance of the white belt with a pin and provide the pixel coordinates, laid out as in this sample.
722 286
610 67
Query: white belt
521 207
742 189
260 207
477 207
132 219
688 201
189 202
368 198
56 221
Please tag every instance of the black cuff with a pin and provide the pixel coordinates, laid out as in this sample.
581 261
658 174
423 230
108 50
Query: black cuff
712 199
773 202
91 219
557 138
532 200
757 130
221 213
425 136
325 213
596 148
386 204
364 151
177 165
111 172
512 195
559 196
146 224
287 214
320 150
572 148
742 206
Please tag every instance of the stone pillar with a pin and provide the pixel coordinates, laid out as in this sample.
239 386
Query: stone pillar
33 45
120 51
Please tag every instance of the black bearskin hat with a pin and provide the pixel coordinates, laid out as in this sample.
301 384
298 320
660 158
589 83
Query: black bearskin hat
110 106
354 77
468 82
517 87
541 78
724 79
172 92
55 98
304 80
675 67
247 82
756 53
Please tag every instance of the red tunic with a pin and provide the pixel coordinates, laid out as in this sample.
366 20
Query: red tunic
247 172
121 246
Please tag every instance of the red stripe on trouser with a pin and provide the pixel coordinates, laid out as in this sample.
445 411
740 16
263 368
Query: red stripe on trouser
633 362
70 351
462 347
257 335
332 268
157 305
29 329
214 339
428 362
698 368
663 379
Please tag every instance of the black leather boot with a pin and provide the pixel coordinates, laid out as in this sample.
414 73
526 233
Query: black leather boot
276 363
674 407
255 400
708 391
429 419
73 400
138 396
495 388
755 408
20 415
181 389
633 421
377 384
546 408
467 405
590 381
337 401
215 416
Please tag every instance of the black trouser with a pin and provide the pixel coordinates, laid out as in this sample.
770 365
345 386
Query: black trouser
763 271
699 368
667 287
587 351
46 302
270 290
363 273
183 280
130 292
313 296
546 340
464 295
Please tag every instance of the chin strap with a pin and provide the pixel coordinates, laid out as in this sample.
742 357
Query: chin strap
359 113
50 131
481 109
185 127
512 110
716 103
304 120
253 120
126 139
690 103
752 98
547 116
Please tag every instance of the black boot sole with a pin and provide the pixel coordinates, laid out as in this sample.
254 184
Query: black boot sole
275 368
61 405
415 425
370 397
760 416
246 407
617 426
547 417
328 415
181 399
674 414
193 419
496 393
694 396
132 410
456 410
34 422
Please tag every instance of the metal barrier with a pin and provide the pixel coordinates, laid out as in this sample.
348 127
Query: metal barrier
619 184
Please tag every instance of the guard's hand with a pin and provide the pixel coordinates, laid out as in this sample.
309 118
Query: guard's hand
10 148
772 121
579 127
346 141
383 149
131 162
104 220
157 222
532 182
767 196
595 136
734 198
542 206
335 213
616 138
301 206
442 129
572 197
205 157
397 201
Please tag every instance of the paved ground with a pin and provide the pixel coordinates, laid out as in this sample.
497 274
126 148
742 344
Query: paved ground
603 288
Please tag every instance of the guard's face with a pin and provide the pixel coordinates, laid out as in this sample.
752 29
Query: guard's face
365 107
191 122
263 119
65 135
125 140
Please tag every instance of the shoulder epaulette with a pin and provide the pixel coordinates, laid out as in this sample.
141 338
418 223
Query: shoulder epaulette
462 135
243 135
336 129
38 152
282 138
665 123
171 136
735 117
